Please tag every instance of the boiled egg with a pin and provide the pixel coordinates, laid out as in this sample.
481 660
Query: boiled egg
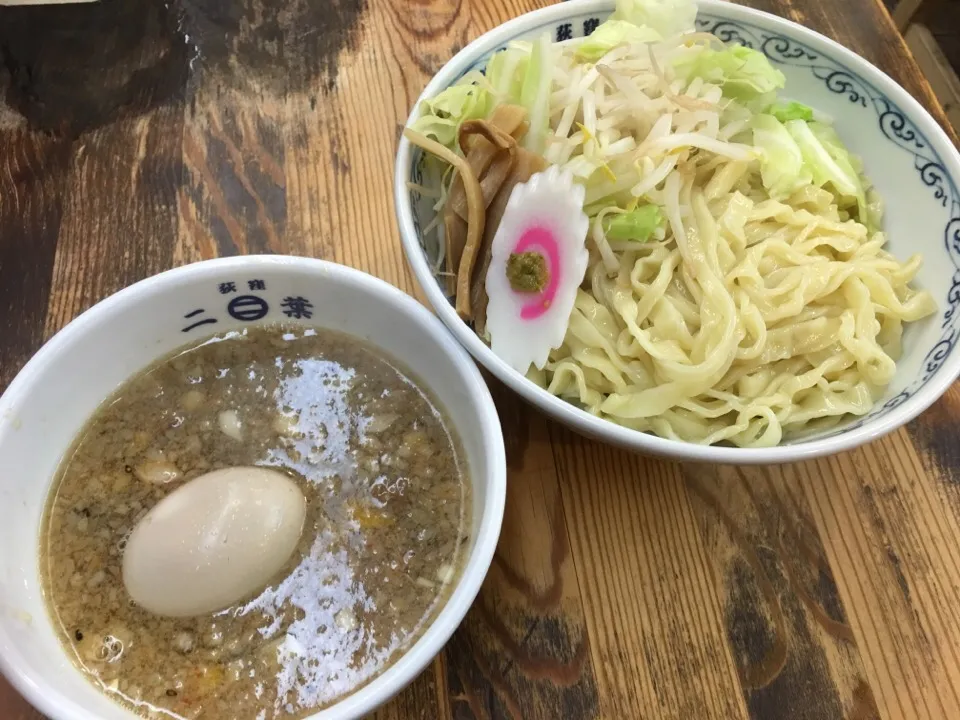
214 541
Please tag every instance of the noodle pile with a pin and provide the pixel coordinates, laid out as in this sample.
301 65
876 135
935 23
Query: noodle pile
760 309
773 318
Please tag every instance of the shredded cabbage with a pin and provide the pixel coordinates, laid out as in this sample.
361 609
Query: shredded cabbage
782 167
623 108
612 33
505 74
535 93
667 17
744 74
441 117
639 224
830 164
791 111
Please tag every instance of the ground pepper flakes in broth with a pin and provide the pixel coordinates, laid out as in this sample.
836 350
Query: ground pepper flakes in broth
387 508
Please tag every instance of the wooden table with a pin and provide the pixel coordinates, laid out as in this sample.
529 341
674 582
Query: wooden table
624 587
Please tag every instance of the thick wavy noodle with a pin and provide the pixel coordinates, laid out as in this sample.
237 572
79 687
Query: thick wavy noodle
754 319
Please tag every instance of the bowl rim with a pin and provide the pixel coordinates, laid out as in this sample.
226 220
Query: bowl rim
47 698
606 430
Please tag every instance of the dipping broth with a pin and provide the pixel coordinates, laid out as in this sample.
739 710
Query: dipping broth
387 499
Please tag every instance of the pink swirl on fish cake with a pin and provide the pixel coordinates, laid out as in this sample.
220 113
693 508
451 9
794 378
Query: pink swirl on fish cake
541 239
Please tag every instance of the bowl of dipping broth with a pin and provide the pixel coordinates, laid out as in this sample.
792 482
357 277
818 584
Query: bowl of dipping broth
250 487
707 232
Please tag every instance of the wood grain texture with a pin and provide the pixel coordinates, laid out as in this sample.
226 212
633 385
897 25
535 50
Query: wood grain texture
523 650
137 136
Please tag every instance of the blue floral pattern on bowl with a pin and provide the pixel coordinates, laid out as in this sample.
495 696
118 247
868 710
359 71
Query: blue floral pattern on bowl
873 106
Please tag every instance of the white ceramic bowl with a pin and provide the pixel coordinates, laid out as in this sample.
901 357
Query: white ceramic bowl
907 155
50 400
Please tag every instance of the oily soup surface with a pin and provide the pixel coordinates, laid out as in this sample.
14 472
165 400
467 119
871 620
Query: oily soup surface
387 507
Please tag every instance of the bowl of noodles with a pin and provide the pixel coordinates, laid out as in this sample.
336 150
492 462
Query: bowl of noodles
692 230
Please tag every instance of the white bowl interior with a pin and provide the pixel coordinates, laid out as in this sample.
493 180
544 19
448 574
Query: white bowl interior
908 157
52 398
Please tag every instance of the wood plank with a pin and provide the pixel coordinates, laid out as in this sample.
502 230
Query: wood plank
14 707
326 184
904 12
935 67
795 651
121 196
890 543
654 614
524 649
32 186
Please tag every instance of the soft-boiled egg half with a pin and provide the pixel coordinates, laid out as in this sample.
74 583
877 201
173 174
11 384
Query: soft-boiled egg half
213 542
